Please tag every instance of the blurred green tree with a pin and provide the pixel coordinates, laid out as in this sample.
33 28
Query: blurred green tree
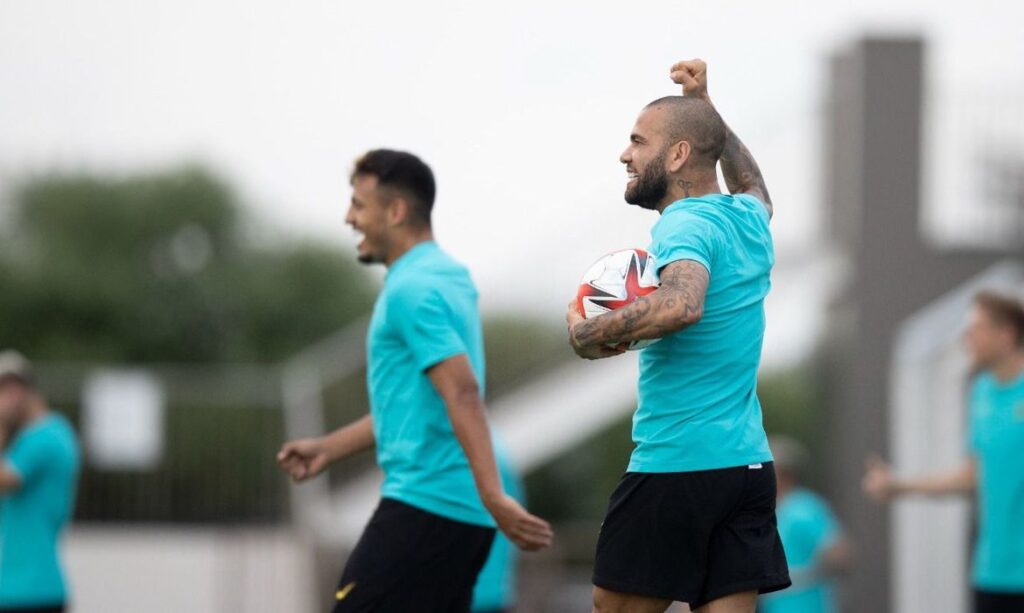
160 268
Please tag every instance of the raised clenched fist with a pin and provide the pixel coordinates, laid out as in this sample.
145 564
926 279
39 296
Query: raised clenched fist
692 75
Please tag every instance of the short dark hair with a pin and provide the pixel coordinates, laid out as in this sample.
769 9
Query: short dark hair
1005 310
404 172
696 122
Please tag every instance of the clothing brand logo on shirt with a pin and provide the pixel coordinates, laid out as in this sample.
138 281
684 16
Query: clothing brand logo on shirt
343 592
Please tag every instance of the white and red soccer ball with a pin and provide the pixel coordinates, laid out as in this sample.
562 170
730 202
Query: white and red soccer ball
615 281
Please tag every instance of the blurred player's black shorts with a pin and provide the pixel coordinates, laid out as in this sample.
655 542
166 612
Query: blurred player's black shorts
410 560
998 602
692 537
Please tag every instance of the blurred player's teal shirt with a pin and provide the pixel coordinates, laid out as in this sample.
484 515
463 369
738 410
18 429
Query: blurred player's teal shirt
997 441
495 588
45 457
426 313
807 527
698 409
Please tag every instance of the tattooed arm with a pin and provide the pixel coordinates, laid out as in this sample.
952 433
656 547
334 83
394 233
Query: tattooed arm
677 303
741 172
742 175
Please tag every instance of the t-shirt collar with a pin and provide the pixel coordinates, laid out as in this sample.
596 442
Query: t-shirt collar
1005 385
683 202
411 256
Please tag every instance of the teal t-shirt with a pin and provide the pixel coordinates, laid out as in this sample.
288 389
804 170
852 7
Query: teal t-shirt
45 456
698 407
997 441
495 588
426 313
807 527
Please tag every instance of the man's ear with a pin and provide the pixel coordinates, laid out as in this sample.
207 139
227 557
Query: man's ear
678 154
398 211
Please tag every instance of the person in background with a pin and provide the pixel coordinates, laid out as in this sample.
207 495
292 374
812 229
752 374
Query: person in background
994 468
495 590
38 479
816 549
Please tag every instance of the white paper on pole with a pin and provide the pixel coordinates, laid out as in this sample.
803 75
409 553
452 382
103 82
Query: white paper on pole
123 420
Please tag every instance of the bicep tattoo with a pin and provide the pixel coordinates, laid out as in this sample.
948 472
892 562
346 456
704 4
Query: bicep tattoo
684 285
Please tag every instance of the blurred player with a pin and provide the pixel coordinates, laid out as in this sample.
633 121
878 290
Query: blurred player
815 547
38 477
495 590
442 494
994 468
693 519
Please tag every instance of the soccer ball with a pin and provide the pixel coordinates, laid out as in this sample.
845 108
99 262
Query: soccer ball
614 281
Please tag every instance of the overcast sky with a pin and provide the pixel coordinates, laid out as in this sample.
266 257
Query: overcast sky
522 109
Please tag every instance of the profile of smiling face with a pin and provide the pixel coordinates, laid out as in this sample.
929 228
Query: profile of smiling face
646 160
392 198
371 213
674 139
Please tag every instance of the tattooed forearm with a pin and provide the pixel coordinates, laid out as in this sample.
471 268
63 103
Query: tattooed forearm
677 303
741 172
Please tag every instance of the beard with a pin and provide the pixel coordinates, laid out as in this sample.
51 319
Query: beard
651 186
369 250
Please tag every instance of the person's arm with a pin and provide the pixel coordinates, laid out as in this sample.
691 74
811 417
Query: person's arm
457 385
677 303
837 558
23 462
9 479
880 483
831 561
741 172
308 457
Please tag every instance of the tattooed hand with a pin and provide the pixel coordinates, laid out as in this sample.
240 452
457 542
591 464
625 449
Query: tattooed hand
594 352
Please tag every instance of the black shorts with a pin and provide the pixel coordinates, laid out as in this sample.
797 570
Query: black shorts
692 537
410 560
54 608
998 602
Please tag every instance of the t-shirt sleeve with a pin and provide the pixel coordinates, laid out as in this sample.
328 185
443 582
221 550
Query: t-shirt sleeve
685 236
28 456
758 205
426 323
